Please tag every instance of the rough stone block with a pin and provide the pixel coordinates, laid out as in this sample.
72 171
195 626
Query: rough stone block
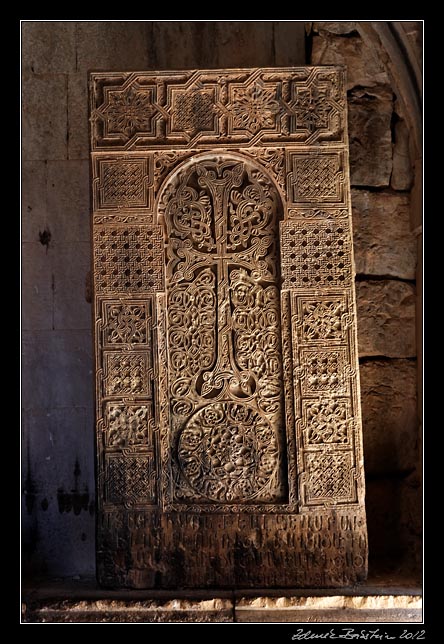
57 369
414 32
383 242
48 46
340 27
363 69
34 207
402 172
78 142
68 201
112 46
44 117
71 264
370 137
389 415
386 318
37 287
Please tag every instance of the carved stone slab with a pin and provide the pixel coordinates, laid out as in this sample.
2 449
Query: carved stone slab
229 446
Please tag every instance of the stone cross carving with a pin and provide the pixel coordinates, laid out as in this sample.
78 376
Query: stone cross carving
229 446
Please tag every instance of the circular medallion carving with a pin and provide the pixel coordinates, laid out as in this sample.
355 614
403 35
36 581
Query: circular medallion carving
228 452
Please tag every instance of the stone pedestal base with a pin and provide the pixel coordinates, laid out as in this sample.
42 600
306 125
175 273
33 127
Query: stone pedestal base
82 601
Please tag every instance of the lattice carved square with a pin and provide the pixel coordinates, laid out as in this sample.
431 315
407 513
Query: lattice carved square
128 259
193 110
330 477
326 421
127 323
123 182
324 371
128 426
316 178
130 480
127 374
315 254
322 318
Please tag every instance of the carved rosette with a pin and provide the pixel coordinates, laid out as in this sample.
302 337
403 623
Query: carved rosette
229 438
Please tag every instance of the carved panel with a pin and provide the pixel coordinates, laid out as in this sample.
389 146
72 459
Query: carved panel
128 259
130 480
315 178
127 323
123 183
330 478
326 422
129 426
323 318
224 331
126 374
229 443
316 254
133 110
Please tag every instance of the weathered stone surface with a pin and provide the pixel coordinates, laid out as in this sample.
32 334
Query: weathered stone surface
59 493
389 415
370 137
414 32
395 523
243 43
370 608
78 142
44 133
48 46
106 45
34 206
363 69
411 522
383 242
388 608
226 44
68 201
402 172
340 27
37 287
289 43
57 369
71 264
48 430
386 318
148 611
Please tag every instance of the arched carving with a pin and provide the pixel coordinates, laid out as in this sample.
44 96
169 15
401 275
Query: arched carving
221 216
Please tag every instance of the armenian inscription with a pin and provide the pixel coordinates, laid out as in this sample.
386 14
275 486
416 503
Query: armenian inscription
229 443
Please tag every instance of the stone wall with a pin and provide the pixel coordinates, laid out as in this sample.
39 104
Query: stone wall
57 366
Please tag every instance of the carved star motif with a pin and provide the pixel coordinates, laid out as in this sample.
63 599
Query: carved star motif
255 108
129 111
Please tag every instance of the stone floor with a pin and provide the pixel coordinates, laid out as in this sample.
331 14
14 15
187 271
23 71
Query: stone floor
380 599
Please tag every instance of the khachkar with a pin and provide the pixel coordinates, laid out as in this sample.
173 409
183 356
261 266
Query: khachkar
229 446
